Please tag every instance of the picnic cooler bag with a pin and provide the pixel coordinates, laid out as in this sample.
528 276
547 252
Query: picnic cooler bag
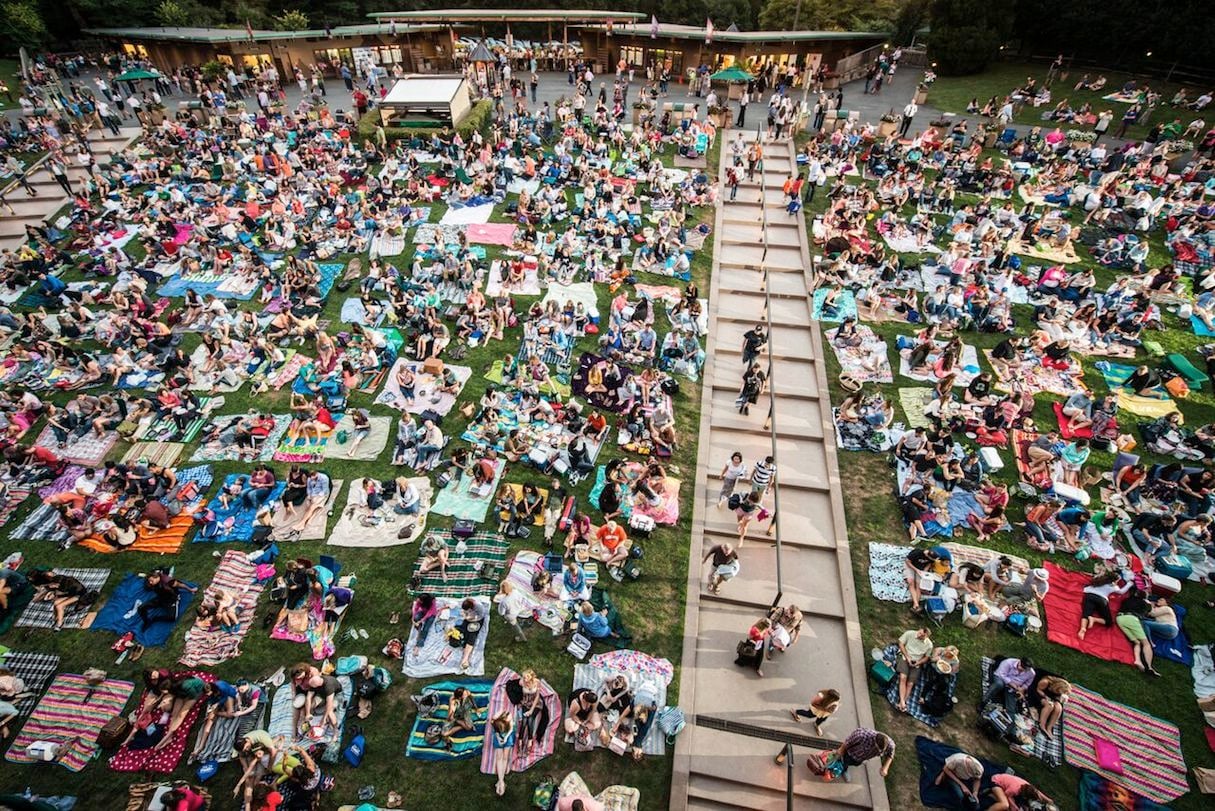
1165 585
882 674
1174 566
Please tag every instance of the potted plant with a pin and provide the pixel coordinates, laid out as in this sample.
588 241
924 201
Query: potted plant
639 110
921 93
888 124
1081 139
1176 148
721 116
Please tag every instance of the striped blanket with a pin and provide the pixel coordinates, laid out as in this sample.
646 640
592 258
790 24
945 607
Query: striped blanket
36 670
15 497
464 571
1153 765
437 657
40 614
1048 750
71 713
522 757
160 760
642 684
210 646
164 429
282 723
157 453
549 612
462 746
42 524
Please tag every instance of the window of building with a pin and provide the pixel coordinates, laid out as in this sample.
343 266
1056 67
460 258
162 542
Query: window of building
633 55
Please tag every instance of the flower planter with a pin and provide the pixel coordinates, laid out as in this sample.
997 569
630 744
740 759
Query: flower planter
921 96
1078 144
886 129
637 116
724 119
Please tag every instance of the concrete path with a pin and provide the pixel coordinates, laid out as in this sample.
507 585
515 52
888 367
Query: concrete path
51 197
716 769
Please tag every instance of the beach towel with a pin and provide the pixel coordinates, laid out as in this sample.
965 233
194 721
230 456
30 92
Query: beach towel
72 714
548 611
932 756
1150 407
458 500
467 215
288 527
914 400
208 646
967 366
845 306
665 512
429 234
40 614
1021 441
1048 750
1099 794
915 698
425 396
522 758
491 233
1178 648
1200 329
157 453
438 658
371 446
282 716
495 281
223 449
580 293
1062 605
464 745
642 681
36 670
235 520
465 575
164 760
120 614
1153 765
613 798
350 529
89 450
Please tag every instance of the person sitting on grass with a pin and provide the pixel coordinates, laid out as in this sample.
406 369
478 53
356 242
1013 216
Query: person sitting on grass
594 624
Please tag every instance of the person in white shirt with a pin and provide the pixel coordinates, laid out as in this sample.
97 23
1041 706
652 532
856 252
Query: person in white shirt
908 114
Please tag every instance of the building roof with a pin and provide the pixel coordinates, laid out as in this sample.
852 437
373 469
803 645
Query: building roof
539 15
698 32
424 89
173 34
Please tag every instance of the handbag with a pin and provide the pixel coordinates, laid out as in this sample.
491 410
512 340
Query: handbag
618 745
746 649
297 620
114 732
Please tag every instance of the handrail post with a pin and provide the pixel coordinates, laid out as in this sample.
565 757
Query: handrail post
789 777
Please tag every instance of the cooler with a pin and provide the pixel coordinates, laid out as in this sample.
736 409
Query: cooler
1164 585
1174 566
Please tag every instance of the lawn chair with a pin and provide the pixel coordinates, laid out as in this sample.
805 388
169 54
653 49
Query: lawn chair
1006 138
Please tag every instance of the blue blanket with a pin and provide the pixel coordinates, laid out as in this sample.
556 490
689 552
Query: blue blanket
932 759
1178 648
241 526
120 613
463 746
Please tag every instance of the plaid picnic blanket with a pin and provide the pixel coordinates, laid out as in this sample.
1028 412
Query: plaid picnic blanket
71 713
210 646
42 524
40 614
464 571
36 670
916 696
16 497
1047 750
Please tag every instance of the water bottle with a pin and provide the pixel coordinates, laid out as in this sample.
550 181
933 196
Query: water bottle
13 561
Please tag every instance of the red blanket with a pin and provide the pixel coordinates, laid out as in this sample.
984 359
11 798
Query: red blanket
1065 425
1062 604
1021 442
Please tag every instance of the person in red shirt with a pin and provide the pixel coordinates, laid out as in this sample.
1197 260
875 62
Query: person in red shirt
360 102
183 798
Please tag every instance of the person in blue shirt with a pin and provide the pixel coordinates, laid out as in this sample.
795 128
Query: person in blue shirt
593 624
1072 521
50 285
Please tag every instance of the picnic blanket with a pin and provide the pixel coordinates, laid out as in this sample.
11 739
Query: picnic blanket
491 233
89 450
959 507
613 798
385 243
459 501
163 760
120 614
1048 750
464 571
40 614
224 449
1036 378
72 714
350 529
551 387
932 755
580 293
666 511
647 679
319 635
282 714
916 697
220 745
550 612
845 306
868 362
1099 794
236 519
288 527
33 668
209 646
425 396
1021 441
1153 765
522 758
168 540
467 215
164 429
1062 605
157 453
462 746
371 446
14 499
437 657
914 400
886 580
967 366
602 400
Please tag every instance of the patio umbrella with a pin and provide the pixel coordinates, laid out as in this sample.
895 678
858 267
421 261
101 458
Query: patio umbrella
732 74
135 74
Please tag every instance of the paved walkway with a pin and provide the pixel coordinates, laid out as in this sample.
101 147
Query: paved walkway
718 769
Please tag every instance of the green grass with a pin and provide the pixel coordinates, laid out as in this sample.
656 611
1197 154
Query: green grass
873 517
651 607
953 93
9 72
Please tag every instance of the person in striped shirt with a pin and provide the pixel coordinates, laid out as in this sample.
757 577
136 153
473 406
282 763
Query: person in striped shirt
762 475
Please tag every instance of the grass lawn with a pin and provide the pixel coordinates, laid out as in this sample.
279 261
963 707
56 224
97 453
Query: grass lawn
873 517
9 73
650 607
953 93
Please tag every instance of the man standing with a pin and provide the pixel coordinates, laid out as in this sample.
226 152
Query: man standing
908 114
742 109
1103 124
347 78
59 171
18 169
535 84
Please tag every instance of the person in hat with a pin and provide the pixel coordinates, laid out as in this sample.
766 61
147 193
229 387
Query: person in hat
1034 587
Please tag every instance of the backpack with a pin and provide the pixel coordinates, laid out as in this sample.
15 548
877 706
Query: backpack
671 722
1016 623
356 749
734 502
544 795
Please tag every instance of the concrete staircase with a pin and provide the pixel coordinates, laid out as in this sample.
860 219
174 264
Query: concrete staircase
51 197
716 769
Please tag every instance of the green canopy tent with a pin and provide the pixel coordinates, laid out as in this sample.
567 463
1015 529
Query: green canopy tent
733 75
136 74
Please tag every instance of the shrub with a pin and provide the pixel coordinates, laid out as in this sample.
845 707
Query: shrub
965 34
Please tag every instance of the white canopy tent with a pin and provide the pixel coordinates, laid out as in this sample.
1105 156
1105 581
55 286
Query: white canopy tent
426 100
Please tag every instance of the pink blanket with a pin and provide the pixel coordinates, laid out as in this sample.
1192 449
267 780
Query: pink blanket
521 758
491 233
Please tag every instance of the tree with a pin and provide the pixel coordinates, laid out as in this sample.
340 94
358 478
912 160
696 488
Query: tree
910 19
291 20
21 24
828 15
174 13
966 34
